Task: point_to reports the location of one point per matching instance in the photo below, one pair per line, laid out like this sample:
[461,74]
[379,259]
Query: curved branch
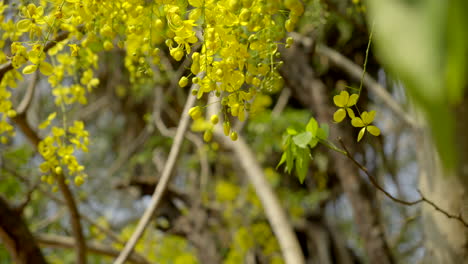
[163,182]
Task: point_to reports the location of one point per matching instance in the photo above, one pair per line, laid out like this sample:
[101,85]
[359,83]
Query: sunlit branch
[163,182]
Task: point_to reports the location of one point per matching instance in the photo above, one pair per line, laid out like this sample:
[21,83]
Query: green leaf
[302,164]
[290,157]
[373,130]
[312,127]
[291,131]
[339,115]
[283,159]
[361,134]
[302,139]
[313,142]
[322,132]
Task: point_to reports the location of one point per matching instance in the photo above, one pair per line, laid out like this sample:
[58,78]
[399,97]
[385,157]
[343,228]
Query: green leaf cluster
[298,145]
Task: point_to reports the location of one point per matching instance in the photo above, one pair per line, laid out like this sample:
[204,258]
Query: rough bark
[312,93]
[16,236]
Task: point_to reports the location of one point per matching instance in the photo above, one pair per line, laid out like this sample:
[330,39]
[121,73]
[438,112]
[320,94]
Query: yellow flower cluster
[232,46]
[58,150]
[239,52]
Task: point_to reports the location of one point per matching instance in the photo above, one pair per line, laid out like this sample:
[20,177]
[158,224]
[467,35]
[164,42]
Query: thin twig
[20,208]
[163,182]
[56,241]
[408,203]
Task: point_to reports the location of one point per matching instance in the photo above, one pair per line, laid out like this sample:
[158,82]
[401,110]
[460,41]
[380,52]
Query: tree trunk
[446,240]
[16,236]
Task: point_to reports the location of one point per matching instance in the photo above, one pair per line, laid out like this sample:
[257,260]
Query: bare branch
[56,241]
[163,182]
[408,203]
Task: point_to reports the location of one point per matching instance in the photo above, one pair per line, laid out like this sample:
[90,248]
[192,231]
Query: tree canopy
[233,131]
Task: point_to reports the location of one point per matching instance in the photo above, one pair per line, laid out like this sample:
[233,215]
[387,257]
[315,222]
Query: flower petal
[350,113]
[339,115]
[361,134]
[373,130]
[357,122]
[353,100]
[342,99]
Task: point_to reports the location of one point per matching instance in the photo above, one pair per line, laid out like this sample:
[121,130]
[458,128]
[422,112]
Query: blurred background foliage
[210,204]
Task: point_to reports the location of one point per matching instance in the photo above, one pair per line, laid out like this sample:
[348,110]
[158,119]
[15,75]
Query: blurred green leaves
[425,44]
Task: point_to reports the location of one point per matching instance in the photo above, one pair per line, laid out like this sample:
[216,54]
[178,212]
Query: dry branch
[163,182]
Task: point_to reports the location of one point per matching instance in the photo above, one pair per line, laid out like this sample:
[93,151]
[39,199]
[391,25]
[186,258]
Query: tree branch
[104,230]
[393,198]
[16,236]
[163,182]
[74,220]
[274,212]
[56,241]
[24,105]
[65,190]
